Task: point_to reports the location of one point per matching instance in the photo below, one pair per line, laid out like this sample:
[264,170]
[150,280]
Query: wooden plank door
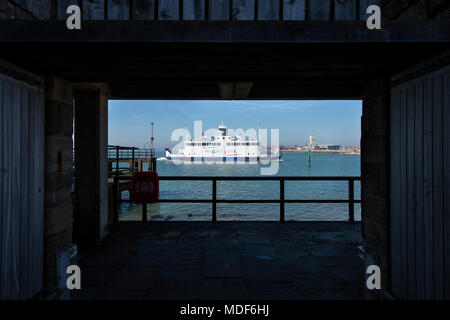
[21,187]
[420,183]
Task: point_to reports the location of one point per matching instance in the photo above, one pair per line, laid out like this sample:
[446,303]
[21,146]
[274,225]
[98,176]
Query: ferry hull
[223,159]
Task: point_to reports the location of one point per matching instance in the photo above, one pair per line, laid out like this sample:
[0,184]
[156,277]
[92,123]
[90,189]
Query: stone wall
[58,208]
[26,9]
[392,9]
[375,175]
[416,9]
[91,218]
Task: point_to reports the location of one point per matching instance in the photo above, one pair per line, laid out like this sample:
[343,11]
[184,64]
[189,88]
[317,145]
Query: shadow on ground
[229,260]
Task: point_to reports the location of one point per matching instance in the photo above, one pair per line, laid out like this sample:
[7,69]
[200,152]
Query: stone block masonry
[26,9]
[58,207]
[47,9]
[375,143]
[416,9]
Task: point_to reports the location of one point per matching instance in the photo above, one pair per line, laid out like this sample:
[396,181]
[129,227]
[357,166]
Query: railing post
[132,160]
[351,201]
[214,198]
[117,161]
[116,200]
[144,212]
[282,200]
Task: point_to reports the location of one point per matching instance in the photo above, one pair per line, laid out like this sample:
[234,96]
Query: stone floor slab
[229,260]
[106,259]
[257,253]
[226,263]
[145,260]
[184,257]
[174,289]
[263,290]
[266,271]
[122,295]
[97,276]
[255,238]
[133,279]
[176,271]
[223,289]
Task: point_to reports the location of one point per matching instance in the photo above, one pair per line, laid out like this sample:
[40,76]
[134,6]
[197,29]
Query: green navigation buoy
[309,158]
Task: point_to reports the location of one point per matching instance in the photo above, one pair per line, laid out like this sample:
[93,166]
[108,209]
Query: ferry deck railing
[281,200]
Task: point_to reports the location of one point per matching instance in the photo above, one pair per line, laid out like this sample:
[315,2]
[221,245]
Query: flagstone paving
[229,260]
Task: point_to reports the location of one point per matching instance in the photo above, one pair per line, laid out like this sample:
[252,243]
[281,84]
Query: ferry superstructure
[222,148]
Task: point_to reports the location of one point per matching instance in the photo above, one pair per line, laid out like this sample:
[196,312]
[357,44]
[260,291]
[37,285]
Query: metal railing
[120,153]
[128,153]
[282,201]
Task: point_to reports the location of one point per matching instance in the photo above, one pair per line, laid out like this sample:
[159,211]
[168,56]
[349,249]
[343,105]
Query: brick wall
[58,209]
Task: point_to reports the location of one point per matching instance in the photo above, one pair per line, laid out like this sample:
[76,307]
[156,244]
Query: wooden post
[351,201]
[144,212]
[117,161]
[116,200]
[214,198]
[282,200]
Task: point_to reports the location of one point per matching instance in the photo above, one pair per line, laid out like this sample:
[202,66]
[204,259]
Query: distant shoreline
[322,151]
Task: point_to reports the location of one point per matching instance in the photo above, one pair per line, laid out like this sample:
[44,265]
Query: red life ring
[145,187]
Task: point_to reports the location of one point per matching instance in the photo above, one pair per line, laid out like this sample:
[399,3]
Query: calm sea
[293,164]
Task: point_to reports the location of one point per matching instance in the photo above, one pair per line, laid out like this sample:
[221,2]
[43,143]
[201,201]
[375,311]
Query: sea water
[292,164]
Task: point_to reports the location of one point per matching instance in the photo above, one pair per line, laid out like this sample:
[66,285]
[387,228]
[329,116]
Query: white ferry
[222,148]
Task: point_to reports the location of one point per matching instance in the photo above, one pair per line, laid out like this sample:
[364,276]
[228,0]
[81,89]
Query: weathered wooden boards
[219,9]
[396,183]
[420,187]
[446,177]
[194,10]
[345,9]
[268,10]
[364,4]
[168,9]
[118,10]
[319,9]
[21,188]
[243,10]
[143,10]
[294,9]
[93,9]
[62,6]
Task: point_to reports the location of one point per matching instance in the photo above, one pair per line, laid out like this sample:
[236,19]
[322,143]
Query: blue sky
[333,122]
